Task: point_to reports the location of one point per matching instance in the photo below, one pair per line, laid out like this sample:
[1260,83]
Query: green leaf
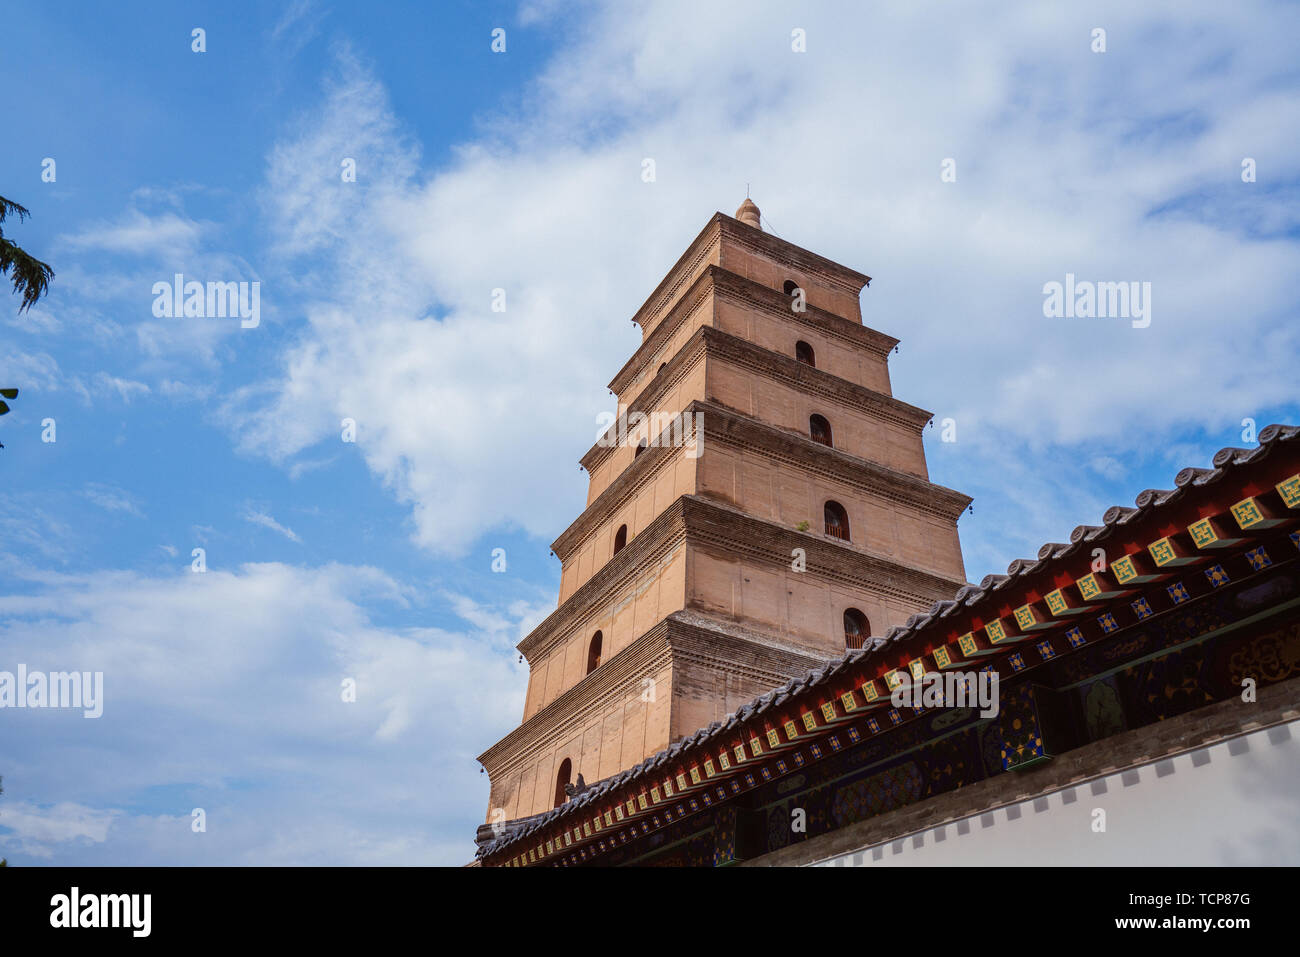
[9,393]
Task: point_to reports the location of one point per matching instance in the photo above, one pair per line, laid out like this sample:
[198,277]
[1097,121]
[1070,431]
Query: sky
[349,464]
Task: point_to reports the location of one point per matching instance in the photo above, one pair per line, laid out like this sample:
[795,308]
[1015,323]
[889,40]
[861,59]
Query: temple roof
[970,598]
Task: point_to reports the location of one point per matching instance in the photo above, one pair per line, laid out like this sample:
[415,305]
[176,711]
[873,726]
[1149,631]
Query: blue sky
[522,171]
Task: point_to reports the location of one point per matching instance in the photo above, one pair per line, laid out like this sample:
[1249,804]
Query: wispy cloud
[137,233]
[104,385]
[299,25]
[263,518]
[39,831]
[111,499]
[1107,465]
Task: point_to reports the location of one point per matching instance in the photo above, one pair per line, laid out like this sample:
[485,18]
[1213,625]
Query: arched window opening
[819,429]
[790,286]
[593,652]
[620,539]
[856,628]
[662,367]
[837,520]
[804,353]
[641,447]
[561,780]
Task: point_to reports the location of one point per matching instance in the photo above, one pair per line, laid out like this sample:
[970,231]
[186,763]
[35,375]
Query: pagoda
[760,505]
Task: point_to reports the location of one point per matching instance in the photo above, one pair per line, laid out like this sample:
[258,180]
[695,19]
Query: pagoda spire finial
[749,214]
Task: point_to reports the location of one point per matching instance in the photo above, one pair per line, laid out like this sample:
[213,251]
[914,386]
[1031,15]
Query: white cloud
[263,518]
[174,389]
[141,234]
[111,499]
[105,304]
[37,830]
[38,372]
[29,526]
[1107,466]
[102,385]
[223,691]
[474,418]
[34,371]
[297,27]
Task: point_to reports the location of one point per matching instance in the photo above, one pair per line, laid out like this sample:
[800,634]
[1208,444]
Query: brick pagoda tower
[763,505]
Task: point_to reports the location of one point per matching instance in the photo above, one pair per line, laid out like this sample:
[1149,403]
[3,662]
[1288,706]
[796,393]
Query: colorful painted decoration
[1162,550]
[1289,489]
[1247,513]
[1124,570]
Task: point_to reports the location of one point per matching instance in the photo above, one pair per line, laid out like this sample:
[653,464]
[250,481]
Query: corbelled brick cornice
[727,427]
[783,251]
[736,288]
[656,543]
[712,343]
[702,522]
[718,644]
[575,707]
[704,246]
[723,228]
[687,357]
[643,470]
[737,533]
[682,636]
[812,381]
